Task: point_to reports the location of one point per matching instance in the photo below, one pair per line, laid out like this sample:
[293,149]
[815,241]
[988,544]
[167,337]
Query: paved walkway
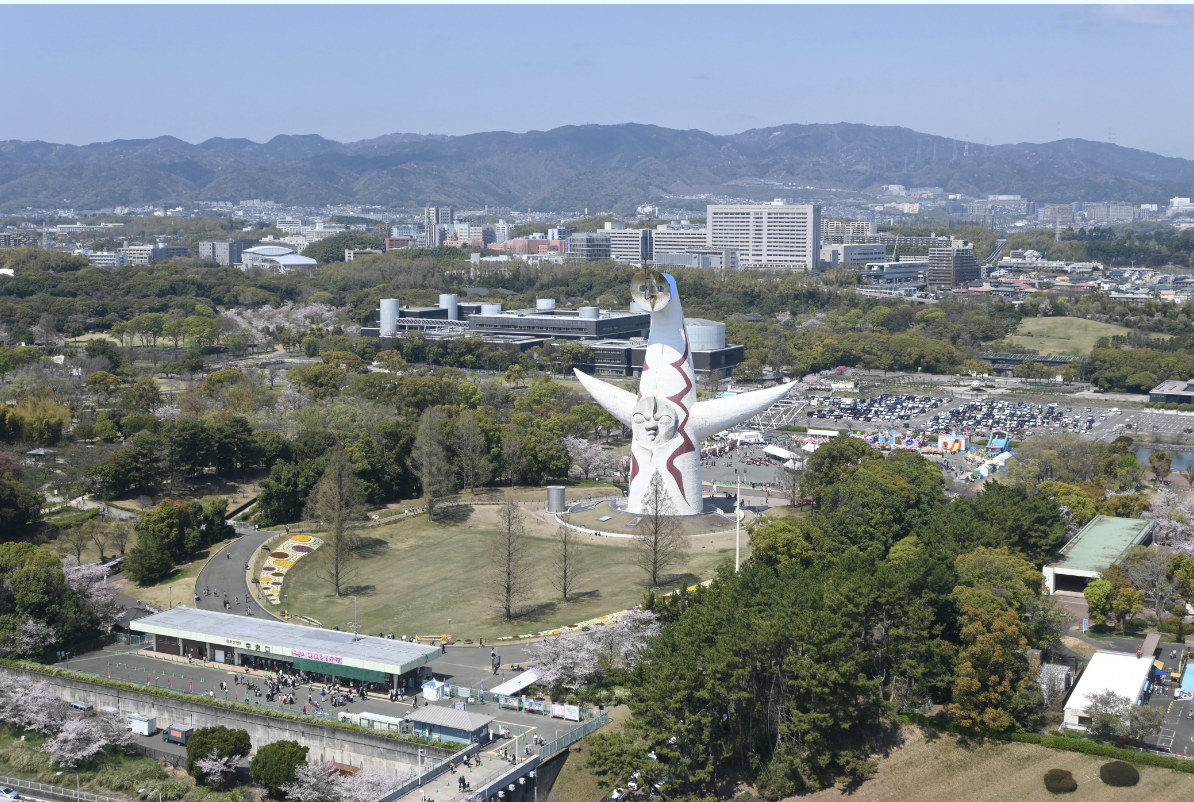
[225,572]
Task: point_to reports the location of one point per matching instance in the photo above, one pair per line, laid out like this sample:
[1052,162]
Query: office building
[678,237]
[404,232]
[350,254]
[559,232]
[851,255]
[588,247]
[435,221]
[399,243]
[289,225]
[952,266]
[501,231]
[634,245]
[225,251]
[151,254]
[775,237]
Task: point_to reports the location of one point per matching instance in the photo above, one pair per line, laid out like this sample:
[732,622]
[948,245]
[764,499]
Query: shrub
[274,764]
[221,740]
[1060,781]
[1119,774]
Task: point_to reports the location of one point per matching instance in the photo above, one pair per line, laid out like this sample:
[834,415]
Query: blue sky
[991,73]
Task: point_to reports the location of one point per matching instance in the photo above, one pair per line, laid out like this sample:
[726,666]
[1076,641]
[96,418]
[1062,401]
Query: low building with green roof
[1101,543]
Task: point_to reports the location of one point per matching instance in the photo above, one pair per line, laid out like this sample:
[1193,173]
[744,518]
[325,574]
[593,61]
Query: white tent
[749,437]
[433,691]
[778,453]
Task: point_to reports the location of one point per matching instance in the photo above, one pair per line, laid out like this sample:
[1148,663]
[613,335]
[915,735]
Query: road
[225,572]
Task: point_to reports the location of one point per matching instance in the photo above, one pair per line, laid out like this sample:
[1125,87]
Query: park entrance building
[270,644]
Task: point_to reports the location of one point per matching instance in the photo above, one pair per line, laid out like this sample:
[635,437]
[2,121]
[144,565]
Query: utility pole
[738,527]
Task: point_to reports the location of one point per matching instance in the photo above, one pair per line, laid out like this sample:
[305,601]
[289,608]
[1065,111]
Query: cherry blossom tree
[566,662]
[91,583]
[321,782]
[291,399]
[588,458]
[79,740]
[28,639]
[35,708]
[217,770]
[1174,518]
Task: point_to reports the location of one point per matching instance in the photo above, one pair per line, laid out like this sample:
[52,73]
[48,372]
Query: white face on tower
[655,421]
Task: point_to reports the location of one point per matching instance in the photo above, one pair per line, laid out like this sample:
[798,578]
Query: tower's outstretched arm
[719,414]
[616,401]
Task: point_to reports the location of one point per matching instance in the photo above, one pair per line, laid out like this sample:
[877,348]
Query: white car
[8,793]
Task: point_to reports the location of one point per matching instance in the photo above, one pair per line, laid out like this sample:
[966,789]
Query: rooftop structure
[1096,547]
[1121,672]
[1174,391]
[449,724]
[238,640]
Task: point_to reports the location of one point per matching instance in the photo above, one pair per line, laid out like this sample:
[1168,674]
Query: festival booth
[953,443]
[781,454]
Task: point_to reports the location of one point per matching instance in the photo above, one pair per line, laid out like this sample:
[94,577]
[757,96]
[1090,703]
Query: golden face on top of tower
[650,289]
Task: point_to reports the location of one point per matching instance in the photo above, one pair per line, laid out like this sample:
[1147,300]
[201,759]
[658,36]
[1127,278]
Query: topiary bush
[1060,781]
[1119,774]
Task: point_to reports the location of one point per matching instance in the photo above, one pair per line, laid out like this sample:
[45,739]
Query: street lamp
[60,773]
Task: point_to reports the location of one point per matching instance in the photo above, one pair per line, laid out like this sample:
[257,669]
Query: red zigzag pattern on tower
[676,399]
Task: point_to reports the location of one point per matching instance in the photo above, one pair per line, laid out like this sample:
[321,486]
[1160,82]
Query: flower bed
[281,560]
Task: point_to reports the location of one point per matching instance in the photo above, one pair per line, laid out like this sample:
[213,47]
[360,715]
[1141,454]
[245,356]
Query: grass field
[940,767]
[415,575]
[1063,336]
[937,767]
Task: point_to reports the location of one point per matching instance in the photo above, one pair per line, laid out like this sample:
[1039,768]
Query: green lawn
[1063,336]
[415,575]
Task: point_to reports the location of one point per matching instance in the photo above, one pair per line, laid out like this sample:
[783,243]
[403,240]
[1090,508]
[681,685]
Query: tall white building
[290,225]
[436,218]
[629,244]
[679,237]
[773,237]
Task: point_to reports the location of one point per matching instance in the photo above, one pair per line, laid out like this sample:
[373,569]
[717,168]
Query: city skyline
[1027,75]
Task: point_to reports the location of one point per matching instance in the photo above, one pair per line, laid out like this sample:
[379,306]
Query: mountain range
[573,167]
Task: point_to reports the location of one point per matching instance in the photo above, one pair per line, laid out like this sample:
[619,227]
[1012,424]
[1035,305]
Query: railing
[55,790]
[574,735]
[438,768]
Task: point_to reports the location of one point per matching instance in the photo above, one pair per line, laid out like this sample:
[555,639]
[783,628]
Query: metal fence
[426,776]
[573,735]
[55,790]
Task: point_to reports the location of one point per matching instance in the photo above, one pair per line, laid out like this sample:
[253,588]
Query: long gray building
[225,251]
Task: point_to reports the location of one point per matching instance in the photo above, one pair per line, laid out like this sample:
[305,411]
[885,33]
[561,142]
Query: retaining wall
[375,752]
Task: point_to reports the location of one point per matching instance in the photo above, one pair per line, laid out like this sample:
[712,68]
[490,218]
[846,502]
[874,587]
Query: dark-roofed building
[1175,391]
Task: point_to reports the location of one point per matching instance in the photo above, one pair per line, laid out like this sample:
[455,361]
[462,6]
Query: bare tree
[100,535]
[509,564]
[1150,569]
[568,563]
[789,482]
[513,460]
[472,452]
[74,541]
[429,459]
[119,533]
[661,544]
[336,500]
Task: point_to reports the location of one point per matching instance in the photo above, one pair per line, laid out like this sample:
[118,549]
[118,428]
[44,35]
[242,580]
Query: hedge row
[1080,745]
[210,701]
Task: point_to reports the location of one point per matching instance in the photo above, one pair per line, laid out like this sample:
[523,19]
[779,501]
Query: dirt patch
[1078,646]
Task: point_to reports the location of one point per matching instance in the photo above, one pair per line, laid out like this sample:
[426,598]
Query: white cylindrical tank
[555,498]
[590,312]
[545,303]
[389,316]
[450,302]
[705,335]
[491,309]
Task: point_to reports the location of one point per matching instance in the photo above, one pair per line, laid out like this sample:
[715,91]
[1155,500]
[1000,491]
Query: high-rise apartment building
[952,266]
[434,217]
[774,237]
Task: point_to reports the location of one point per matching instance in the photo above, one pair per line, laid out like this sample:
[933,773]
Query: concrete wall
[325,743]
